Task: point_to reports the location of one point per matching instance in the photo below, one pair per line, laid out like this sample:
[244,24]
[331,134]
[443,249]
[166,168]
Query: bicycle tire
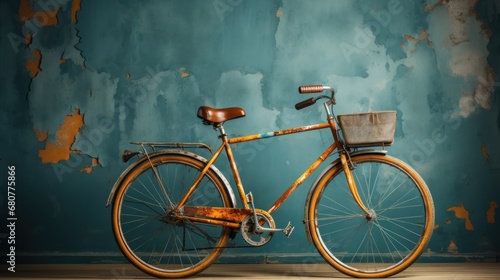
[381,246]
[145,232]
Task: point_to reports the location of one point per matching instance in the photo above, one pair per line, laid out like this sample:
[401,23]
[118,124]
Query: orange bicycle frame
[230,217]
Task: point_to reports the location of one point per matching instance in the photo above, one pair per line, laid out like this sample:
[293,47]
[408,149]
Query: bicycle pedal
[288,229]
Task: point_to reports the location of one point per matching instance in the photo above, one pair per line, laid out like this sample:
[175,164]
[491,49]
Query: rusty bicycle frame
[232,217]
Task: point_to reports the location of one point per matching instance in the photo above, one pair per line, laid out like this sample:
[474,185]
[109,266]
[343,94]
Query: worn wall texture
[80,79]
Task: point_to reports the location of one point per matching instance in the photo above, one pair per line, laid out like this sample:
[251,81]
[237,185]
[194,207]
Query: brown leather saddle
[211,115]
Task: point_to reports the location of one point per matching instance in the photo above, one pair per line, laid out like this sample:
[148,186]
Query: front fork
[347,164]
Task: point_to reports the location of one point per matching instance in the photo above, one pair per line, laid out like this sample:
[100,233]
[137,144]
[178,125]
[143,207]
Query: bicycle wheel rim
[148,237]
[389,242]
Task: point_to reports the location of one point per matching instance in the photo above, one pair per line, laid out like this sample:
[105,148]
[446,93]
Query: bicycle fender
[124,174]
[330,166]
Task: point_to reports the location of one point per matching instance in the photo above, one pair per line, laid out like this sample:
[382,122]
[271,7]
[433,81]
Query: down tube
[302,178]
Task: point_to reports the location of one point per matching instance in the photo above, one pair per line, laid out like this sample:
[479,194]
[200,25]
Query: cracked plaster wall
[82,79]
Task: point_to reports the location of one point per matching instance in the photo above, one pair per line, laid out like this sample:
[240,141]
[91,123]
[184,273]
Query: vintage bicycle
[367,213]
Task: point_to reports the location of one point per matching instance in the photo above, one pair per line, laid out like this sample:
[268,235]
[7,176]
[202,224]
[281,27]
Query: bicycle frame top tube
[227,142]
[258,136]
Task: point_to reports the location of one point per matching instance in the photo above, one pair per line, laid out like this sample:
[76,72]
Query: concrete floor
[250,271]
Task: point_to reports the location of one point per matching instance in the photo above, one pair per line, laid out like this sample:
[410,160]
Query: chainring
[248,228]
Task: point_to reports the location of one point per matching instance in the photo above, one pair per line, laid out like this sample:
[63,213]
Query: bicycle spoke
[143,217]
[383,243]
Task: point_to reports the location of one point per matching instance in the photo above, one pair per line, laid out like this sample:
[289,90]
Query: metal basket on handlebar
[368,129]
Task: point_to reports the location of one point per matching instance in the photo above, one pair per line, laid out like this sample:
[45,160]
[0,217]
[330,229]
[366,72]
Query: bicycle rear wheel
[146,229]
[387,243]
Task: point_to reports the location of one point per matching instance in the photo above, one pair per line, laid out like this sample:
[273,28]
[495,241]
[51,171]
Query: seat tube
[199,178]
[234,170]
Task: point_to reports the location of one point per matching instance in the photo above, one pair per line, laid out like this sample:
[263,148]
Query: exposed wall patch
[41,135]
[44,17]
[279,12]
[33,65]
[184,73]
[484,152]
[452,247]
[28,39]
[75,7]
[467,43]
[89,169]
[462,213]
[422,36]
[490,214]
[65,137]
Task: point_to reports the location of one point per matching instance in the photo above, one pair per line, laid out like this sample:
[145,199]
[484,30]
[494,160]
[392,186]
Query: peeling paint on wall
[75,8]
[28,39]
[41,135]
[484,152]
[60,149]
[467,44]
[462,213]
[422,36]
[89,169]
[33,65]
[47,18]
[452,247]
[279,12]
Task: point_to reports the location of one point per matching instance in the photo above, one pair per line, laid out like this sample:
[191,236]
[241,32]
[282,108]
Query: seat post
[219,127]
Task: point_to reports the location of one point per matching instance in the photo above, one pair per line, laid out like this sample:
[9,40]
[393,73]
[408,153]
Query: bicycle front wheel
[146,228]
[396,233]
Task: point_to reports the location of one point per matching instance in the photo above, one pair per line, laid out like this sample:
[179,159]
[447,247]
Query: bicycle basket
[368,129]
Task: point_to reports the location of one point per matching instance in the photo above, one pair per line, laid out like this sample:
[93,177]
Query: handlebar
[313,89]
[305,103]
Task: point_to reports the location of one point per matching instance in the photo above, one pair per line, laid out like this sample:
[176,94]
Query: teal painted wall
[138,70]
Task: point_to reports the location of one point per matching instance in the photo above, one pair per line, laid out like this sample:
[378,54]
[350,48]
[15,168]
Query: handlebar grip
[305,103]
[311,89]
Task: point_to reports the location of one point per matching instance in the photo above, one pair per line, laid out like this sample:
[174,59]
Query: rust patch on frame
[230,217]
[218,213]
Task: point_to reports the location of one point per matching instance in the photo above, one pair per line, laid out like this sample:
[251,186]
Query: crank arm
[287,230]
